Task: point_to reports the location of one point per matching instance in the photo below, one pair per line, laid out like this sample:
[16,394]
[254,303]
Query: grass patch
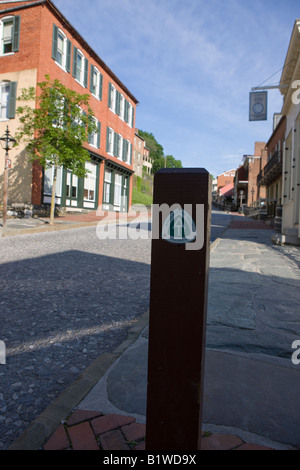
[139,197]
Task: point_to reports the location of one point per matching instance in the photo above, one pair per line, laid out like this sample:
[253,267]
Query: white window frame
[110,150]
[130,111]
[90,182]
[4,105]
[80,79]
[63,65]
[122,107]
[2,23]
[49,174]
[128,153]
[96,73]
[112,106]
[118,190]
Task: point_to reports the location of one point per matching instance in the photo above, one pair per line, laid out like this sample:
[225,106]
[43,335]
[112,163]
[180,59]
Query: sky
[191,64]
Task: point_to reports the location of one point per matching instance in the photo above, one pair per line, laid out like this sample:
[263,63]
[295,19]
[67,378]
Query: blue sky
[191,65]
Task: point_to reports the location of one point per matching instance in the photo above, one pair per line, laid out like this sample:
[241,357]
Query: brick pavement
[246,224]
[91,430]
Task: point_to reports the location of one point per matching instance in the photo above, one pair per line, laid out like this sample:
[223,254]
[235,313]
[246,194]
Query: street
[66,298]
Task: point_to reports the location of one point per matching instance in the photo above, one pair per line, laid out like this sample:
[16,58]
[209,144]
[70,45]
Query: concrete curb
[40,430]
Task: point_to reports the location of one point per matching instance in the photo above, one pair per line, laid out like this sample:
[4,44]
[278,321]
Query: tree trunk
[52,208]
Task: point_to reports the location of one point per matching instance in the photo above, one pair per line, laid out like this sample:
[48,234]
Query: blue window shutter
[68,61]
[125,143]
[16,33]
[99,134]
[126,115]
[107,139]
[130,153]
[118,98]
[86,72]
[74,61]
[12,100]
[109,94]
[132,120]
[92,88]
[54,42]
[116,140]
[100,86]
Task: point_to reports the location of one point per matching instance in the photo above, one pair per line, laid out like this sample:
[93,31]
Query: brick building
[224,179]
[35,40]
[270,177]
[246,190]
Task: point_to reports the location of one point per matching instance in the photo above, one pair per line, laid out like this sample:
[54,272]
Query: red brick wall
[224,180]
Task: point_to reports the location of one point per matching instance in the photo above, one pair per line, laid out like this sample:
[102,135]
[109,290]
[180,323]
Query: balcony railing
[260,177]
[275,160]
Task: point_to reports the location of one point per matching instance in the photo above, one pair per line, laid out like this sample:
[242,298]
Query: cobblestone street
[66,298]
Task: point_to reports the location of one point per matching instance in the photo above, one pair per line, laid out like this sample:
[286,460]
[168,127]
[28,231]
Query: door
[71,190]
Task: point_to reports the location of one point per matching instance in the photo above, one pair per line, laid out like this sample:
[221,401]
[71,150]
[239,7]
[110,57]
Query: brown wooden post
[178,304]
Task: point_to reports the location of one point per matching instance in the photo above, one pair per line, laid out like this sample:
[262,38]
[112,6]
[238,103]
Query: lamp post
[241,197]
[7,142]
[252,192]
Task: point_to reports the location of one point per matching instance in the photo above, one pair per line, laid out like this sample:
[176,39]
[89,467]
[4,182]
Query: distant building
[246,190]
[270,177]
[225,178]
[142,160]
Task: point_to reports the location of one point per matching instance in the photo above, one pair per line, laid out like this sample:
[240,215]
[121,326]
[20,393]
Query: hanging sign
[258,106]
[8,163]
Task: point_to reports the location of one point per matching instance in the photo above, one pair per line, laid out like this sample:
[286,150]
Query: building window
[80,67]
[118,190]
[96,82]
[48,184]
[4,101]
[111,97]
[109,140]
[90,182]
[10,34]
[107,186]
[61,49]
[94,139]
[125,194]
[8,92]
[72,186]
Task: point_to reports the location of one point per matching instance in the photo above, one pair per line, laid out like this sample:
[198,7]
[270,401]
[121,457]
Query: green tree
[56,128]
[172,162]
[157,153]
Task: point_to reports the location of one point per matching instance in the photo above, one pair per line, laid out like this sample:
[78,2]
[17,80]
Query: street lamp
[241,196]
[7,143]
[252,192]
